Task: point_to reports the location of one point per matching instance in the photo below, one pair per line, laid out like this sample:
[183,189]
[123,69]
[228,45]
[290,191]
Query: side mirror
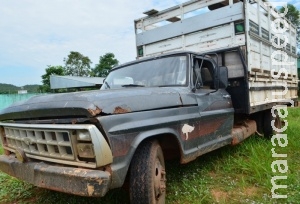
[223,77]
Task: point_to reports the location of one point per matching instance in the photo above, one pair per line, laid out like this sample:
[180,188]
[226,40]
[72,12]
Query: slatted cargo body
[210,26]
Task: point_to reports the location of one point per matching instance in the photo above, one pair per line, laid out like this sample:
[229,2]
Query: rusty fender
[77,181]
[241,132]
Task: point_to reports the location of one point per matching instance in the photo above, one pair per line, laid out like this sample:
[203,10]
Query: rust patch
[119,110]
[90,189]
[99,181]
[241,132]
[95,112]
[121,144]
[235,141]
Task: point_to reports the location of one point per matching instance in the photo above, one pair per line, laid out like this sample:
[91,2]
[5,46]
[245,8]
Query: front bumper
[78,181]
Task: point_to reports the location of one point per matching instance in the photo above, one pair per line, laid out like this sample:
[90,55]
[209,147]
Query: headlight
[85,150]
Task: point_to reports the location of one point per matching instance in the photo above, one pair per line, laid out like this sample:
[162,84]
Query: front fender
[125,133]
[121,165]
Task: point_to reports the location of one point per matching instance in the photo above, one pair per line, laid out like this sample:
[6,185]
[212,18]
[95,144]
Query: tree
[293,15]
[106,63]
[77,64]
[51,70]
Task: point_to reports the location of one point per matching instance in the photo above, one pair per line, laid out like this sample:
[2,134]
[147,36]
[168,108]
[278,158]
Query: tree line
[76,64]
[12,89]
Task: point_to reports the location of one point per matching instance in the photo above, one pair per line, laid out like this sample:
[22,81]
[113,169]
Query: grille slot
[50,143]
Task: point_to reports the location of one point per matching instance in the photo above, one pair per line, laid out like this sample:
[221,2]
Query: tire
[259,119]
[268,129]
[147,183]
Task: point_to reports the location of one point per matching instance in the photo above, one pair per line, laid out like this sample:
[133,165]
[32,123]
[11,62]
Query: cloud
[35,34]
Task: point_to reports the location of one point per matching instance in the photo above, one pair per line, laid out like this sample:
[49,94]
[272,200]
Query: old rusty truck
[207,74]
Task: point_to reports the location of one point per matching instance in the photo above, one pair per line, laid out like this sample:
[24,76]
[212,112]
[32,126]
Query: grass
[239,174]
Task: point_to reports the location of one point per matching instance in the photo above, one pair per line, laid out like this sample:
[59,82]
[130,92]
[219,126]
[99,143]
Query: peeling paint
[186,129]
[241,132]
[90,189]
[95,112]
[99,181]
[119,110]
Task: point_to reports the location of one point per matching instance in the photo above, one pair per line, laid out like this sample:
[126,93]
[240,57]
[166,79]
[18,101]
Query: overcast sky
[37,33]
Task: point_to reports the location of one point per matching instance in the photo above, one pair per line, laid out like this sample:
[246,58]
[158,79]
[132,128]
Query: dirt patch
[219,195]
[212,174]
[250,191]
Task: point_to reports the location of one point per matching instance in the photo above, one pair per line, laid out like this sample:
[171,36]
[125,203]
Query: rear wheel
[147,174]
[267,127]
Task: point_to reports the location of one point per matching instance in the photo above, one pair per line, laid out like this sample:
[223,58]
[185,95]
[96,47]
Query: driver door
[215,109]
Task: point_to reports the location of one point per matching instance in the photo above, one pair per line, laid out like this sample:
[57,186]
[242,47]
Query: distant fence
[8,99]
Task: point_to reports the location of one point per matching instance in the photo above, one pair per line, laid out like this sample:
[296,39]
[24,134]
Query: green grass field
[239,174]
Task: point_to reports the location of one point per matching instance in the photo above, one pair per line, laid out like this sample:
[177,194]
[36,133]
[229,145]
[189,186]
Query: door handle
[226,96]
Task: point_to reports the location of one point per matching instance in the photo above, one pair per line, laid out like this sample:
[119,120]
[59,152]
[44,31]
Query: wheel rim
[159,180]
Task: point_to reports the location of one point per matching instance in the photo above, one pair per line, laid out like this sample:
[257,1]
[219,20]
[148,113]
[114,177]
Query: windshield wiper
[170,85]
[132,85]
[107,85]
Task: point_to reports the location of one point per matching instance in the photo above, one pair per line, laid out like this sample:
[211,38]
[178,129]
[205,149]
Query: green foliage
[292,14]
[77,64]
[8,89]
[11,186]
[1,149]
[106,63]
[31,88]
[50,70]
[12,89]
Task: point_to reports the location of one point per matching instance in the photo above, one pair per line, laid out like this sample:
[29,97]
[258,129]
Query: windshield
[169,71]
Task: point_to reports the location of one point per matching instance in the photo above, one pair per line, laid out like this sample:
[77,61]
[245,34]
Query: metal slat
[212,19]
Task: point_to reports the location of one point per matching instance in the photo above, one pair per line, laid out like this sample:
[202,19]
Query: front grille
[48,143]
[56,143]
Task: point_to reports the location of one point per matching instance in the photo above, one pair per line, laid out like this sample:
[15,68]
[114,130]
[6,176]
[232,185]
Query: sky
[34,34]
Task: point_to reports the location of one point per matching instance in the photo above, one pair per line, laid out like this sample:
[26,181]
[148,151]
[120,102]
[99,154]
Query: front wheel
[147,174]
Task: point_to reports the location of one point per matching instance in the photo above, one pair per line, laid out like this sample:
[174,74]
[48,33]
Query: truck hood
[92,103]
